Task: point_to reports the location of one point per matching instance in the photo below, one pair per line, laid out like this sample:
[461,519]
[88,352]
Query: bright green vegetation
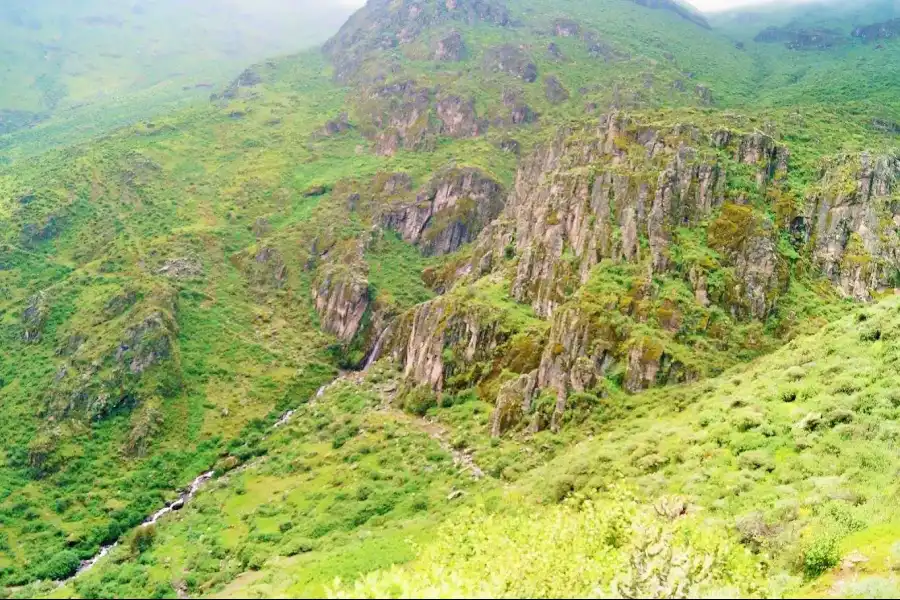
[75,71]
[345,482]
[741,455]
[169,290]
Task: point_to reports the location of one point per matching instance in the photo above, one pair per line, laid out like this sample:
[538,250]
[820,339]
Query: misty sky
[716,5]
[704,5]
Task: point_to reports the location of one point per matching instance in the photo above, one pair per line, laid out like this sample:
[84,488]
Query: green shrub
[295,546]
[820,555]
[142,539]
[60,566]
[419,400]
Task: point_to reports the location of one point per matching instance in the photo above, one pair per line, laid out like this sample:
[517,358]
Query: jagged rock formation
[341,290]
[450,48]
[385,24]
[560,207]
[452,341]
[878,31]
[449,212]
[615,194]
[511,60]
[127,360]
[852,220]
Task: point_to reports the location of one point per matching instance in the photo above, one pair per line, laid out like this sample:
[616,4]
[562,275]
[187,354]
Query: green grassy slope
[157,316]
[73,71]
[732,469]
[790,459]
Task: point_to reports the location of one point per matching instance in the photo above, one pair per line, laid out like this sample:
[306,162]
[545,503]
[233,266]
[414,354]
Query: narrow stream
[175,505]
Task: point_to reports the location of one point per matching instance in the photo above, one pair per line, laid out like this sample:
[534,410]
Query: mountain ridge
[530,223]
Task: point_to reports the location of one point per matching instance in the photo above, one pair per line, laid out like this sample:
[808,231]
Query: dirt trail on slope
[462,458]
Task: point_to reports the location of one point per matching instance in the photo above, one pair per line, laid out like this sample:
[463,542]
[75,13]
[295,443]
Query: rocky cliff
[449,212]
[341,289]
[631,244]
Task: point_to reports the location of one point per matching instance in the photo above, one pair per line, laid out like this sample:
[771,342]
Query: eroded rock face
[34,318]
[514,403]
[855,219]
[402,118]
[130,357]
[450,48]
[511,60]
[577,355]
[554,90]
[449,212]
[386,24]
[445,337]
[458,118]
[341,291]
[601,210]
[749,243]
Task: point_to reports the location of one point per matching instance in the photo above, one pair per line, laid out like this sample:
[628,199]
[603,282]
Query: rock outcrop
[554,90]
[513,61]
[443,341]
[801,39]
[449,212]
[566,28]
[386,24]
[450,48]
[341,290]
[34,317]
[119,362]
[878,31]
[853,220]
[519,112]
[405,116]
[401,116]
[458,118]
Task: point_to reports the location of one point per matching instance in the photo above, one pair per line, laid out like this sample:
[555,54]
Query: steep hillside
[530,222]
[76,70]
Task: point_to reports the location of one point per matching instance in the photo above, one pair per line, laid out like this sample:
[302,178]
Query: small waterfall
[284,419]
[376,351]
